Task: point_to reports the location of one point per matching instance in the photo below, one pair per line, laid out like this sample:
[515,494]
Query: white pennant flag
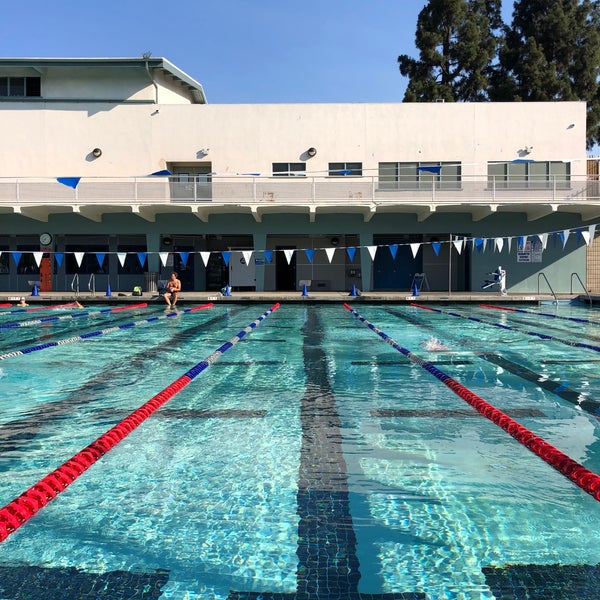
[205,256]
[544,239]
[78,257]
[458,244]
[163,258]
[330,252]
[122,256]
[372,250]
[591,233]
[566,234]
[484,244]
[288,254]
[415,248]
[499,244]
[509,244]
[38,257]
[247,254]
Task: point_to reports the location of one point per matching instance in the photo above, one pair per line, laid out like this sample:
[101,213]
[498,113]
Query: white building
[130,173]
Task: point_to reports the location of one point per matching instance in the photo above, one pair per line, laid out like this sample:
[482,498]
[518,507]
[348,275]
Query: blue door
[391,273]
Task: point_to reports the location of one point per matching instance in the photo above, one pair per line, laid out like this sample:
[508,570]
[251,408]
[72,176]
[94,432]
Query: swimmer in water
[433,345]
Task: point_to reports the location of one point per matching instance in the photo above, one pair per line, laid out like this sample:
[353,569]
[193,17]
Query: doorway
[285,274]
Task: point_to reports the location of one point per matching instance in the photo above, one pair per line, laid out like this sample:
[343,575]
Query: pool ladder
[576,275]
[542,274]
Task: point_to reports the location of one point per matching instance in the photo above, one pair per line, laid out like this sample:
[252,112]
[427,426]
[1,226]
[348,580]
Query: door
[391,273]
[285,274]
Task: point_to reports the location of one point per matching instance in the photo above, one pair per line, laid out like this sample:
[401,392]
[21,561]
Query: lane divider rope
[581,476]
[83,313]
[27,310]
[23,507]
[92,334]
[541,314]
[543,336]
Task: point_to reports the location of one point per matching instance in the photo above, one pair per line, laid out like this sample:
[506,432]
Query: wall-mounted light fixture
[97,152]
[528,149]
[311,152]
[204,151]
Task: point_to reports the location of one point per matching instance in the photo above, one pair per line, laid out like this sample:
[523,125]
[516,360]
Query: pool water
[311,460]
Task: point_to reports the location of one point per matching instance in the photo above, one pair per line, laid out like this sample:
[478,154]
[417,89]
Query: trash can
[151,281]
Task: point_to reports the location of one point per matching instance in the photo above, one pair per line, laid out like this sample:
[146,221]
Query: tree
[458,42]
[552,52]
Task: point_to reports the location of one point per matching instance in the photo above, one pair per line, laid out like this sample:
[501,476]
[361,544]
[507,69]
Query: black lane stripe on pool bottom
[451,414]
[192,413]
[328,567]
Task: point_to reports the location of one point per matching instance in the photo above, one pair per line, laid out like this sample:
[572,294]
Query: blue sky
[241,51]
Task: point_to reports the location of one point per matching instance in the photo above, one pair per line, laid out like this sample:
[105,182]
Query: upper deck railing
[293,190]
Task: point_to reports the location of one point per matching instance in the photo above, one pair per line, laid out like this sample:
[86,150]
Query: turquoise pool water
[310,461]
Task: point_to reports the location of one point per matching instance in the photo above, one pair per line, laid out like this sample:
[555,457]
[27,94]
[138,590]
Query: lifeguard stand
[420,279]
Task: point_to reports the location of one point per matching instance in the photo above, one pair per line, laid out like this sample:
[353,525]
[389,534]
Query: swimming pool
[311,460]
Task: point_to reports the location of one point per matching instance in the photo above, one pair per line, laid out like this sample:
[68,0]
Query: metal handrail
[542,274]
[92,284]
[75,284]
[583,286]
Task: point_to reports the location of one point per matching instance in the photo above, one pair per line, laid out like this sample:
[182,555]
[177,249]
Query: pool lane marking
[328,567]
[83,313]
[542,336]
[33,309]
[99,332]
[581,476]
[579,399]
[23,507]
[541,314]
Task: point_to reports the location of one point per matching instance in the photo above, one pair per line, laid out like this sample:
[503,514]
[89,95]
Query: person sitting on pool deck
[173,289]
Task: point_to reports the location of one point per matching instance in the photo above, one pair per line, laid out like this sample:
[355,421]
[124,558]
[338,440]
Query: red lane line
[497,307]
[5,305]
[422,306]
[201,307]
[141,305]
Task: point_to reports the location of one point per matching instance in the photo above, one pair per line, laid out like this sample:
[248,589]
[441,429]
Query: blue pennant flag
[351,251]
[226,256]
[436,247]
[17,257]
[69,181]
[554,238]
[430,169]
[184,257]
[100,256]
[58,257]
[142,257]
[309,254]
[393,249]
[521,242]
[163,173]
[479,244]
[268,255]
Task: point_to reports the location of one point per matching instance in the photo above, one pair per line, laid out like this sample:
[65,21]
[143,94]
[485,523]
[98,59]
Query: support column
[366,264]
[259,242]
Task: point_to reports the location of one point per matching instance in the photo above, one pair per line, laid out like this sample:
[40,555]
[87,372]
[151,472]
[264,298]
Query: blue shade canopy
[226,256]
[184,257]
[430,169]
[393,249]
[268,255]
[163,173]
[351,251]
[309,254]
[69,181]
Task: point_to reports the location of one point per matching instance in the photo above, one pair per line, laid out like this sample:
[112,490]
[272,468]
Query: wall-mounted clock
[45,239]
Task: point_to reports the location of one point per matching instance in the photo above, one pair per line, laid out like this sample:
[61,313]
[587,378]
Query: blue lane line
[550,315]
[30,322]
[84,336]
[542,336]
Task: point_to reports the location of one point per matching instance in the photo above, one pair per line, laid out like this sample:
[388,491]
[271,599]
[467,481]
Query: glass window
[4,257]
[89,262]
[420,175]
[131,265]
[289,170]
[20,87]
[345,169]
[524,174]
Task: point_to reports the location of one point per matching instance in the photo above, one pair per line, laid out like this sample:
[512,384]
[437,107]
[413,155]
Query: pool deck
[187,298]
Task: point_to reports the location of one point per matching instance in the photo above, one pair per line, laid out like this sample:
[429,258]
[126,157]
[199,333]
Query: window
[89,262]
[131,265]
[532,175]
[27,264]
[289,169]
[20,87]
[4,264]
[420,175]
[345,169]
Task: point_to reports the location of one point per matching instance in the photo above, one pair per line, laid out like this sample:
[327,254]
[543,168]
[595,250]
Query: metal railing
[92,285]
[310,189]
[542,275]
[75,284]
[576,275]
